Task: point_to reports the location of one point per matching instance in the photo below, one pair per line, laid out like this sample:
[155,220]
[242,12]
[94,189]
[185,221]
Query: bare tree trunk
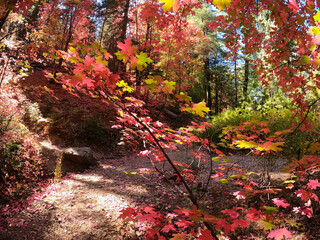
[65,46]
[236,80]
[207,81]
[246,77]
[102,30]
[4,18]
[216,97]
[125,21]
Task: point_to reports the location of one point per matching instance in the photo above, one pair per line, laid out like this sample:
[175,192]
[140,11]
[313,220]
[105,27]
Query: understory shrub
[79,126]
[295,145]
[21,163]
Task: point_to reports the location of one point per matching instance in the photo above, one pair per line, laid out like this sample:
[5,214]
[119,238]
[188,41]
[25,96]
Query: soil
[87,205]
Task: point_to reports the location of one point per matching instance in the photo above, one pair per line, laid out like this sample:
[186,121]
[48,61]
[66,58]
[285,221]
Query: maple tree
[156,55]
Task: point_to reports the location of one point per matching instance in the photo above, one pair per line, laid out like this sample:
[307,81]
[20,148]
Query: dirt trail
[87,205]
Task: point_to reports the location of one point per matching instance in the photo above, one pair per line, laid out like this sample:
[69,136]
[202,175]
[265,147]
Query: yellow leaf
[169,86]
[266,225]
[183,97]
[221,4]
[121,56]
[143,61]
[317,17]
[313,147]
[168,4]
[270,146]
[200,109]
[151,84]
[305,60]
[125,86]
[100,60]
[246,144]
[315,30]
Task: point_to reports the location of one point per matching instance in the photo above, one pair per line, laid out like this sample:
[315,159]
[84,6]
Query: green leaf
[270,210]
[73,60]
[215,159]
[305,60]
[266,225]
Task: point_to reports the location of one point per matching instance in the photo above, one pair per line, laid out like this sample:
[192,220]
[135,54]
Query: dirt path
[87,205]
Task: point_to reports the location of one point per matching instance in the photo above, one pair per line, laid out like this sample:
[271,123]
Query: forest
[159,119]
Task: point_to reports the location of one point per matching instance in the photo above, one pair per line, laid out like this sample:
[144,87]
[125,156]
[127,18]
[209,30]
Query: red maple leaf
[205,235]
[280,234]
[183,223]
[168,227]
[239,223]
[313,184]
[232,213]
[280,202]
[253,215]
[127,213]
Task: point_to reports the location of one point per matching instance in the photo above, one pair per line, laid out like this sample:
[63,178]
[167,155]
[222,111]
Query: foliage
[156,55]
[278,120]
[21,163]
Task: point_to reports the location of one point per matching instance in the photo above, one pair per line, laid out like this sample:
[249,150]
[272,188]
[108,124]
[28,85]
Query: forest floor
[87,205]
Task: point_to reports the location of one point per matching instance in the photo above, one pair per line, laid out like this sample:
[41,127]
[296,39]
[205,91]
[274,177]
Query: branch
[192,197]
[305,116]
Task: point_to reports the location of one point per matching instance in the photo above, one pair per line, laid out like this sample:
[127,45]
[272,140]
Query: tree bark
[125,21]
[207,81]
[246,77]
[4,18]
[236,81]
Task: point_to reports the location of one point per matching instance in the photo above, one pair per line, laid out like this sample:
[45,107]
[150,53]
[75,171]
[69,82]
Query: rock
[79,158]
[52,153]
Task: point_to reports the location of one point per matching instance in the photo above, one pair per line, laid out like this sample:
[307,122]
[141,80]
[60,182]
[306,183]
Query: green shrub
[278,120]
[79,126]
[296,144]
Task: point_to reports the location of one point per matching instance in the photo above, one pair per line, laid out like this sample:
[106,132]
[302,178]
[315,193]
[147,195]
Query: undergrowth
[296,144]
[22,165]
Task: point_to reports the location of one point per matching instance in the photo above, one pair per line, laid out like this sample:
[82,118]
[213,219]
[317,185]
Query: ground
[87,205]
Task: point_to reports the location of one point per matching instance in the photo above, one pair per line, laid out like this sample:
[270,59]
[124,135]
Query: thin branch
[192,197]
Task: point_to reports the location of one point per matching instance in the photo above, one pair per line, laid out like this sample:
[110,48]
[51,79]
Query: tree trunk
[125,21]
[102,30]
[246,77]
[216,97]
[4,18]
[207,81]
[236,81]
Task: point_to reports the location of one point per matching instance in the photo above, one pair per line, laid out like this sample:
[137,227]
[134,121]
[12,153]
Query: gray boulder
[79,158]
